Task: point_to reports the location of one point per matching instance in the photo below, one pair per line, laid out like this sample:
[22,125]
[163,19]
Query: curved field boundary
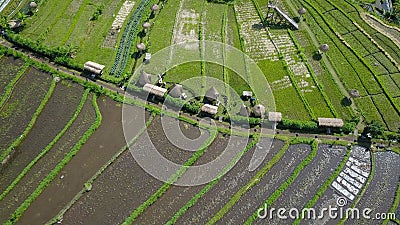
[47,148]
[130,219]
[271,199]
[368,67]
[49,178]
[313,76]
[204,191]
[392,102]
[371,176]
[368,17]
[60,215]
[18,141]
[11,85]
[326,185]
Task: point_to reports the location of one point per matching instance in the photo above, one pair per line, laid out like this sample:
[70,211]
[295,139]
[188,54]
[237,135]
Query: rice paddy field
[65,157]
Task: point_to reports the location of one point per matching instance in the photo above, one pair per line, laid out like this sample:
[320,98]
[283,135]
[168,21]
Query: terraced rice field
[64,157]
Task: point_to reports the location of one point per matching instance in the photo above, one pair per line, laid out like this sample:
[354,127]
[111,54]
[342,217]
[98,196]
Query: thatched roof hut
[247,94]
[146,25]
[33,5]
[144,78]
[330,122]
[210,109]
[259,110]
[155,7]
[14,24]
[244,111]
[324,47]
[212,94]
[302,11]
[176,91]
[354,93]
[155,90]
[275,116]
[141,47]
[93,67]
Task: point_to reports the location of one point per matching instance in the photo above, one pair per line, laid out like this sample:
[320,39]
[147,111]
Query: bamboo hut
[144,79]
[259,110]
[209,109]
[94,67]
[275,116]
[244,111]
[212,94]
[176,91]
[330,122]
[155,90]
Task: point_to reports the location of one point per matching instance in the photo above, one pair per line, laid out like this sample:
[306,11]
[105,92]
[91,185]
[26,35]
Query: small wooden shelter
[212,94]
[94,67]
[144,78]
[259,110]
[275,116]
[244,111]
[155,90]
[210,109]
[330,122]
[14,24]
[176,91]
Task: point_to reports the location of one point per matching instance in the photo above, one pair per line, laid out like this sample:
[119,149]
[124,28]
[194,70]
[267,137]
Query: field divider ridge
[8,151]
[130,219]
[60,214]
[10,86]
[277,193]
[50,177]
[47,148]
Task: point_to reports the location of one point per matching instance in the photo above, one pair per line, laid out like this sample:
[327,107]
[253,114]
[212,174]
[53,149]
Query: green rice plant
[50,177]
[312,74]
[10,86]
[30,125]
[47,148]
[389,114]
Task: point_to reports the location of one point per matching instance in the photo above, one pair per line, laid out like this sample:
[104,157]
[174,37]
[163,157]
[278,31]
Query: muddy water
[53,118]
[177,196]
[100,147]
[9,69]
[307,183]
[277,175]
[18,110]
[227,186]
[382,189]
[40,170]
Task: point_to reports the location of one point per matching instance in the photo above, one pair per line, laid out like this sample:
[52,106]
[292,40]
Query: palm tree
[4,22]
